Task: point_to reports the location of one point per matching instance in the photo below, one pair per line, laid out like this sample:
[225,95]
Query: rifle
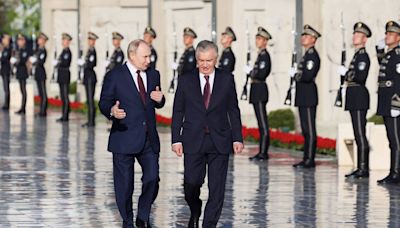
[339,98]
[55,72]
[80,54]
[107,51]
[248,59]
[174,72]
[15,55]
[288,100]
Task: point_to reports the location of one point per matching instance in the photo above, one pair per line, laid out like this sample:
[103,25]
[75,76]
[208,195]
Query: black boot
[305,164]
[20,112]
[394,175]
[362,170]
[259,156]
[142,224]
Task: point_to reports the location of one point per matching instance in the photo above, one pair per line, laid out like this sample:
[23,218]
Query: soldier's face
[206,61]
[188,40]
[261,42]
[91,42]
[148,38]
[41,41]
[6,40]
[141,59]
[226,40]
[21,42]
[65,43]
[307,40]
[359,38]
[116,42]
[392,38]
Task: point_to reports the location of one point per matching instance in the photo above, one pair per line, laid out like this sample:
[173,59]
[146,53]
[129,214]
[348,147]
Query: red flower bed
[278,138]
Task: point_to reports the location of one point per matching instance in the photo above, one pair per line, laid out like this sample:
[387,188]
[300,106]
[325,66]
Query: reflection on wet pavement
[60,175]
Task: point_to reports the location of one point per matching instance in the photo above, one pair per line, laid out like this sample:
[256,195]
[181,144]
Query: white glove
[106,63]
[32,59]
[174,66]
[381,44]
[247,69]
[13,60]
[292,71]
[54,62]
[344,91]
[81,62]
[342,70]
[394,112]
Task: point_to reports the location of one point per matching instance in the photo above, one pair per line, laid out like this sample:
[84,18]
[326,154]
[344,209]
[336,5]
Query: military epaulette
[397,51]
[310,50]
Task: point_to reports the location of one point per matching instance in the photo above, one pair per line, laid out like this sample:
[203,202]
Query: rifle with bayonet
[339,98]
[288,100]
[248,59]
[174,72]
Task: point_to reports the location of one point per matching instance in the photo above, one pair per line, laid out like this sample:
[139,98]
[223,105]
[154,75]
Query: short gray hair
[133,46]
[206,45]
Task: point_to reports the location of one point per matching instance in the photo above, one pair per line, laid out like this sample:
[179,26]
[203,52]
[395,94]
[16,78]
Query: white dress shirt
[132,70]
[203,81]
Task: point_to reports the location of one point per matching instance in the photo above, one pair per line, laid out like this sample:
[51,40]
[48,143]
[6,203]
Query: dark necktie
[206,92]
[141,87]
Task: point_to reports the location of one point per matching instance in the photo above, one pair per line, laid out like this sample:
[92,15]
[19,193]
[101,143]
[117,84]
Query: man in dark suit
[129,96]
[206,126]
[307,95]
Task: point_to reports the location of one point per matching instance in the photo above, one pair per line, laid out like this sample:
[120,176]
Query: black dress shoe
[358,174]
[259,156]
[305,164]
[20,112]
[88,125]
[42,114]
[392,178]
[142,224]
[62,119]
[194,222]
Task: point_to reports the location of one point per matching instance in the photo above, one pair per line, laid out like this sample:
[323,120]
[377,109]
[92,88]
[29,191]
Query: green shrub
[73,87]
[282,119]
[376,119]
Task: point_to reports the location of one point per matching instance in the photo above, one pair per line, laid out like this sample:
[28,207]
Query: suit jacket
[190,117]
[128,135]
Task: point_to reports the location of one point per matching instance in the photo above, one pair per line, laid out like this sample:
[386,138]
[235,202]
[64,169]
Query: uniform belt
[256,81]
[352,84]
[383,84]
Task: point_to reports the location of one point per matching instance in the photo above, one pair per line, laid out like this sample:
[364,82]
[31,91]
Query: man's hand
[178,149]
[342,70]
[156,95]
[381,44]
[238,147]
[116,112]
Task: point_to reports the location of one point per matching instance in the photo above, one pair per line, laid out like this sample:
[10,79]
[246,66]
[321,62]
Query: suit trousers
[307,121]
[90,89]
[41,84]
[359,121]
[195,166]
[6,86]
[392,125]
[123,168]
[64,92]
[22,87]
[263,128]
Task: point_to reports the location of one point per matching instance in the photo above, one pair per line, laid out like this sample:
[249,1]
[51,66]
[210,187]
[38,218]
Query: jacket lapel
[197,89]
[131,83]
[150,86]
[216,90]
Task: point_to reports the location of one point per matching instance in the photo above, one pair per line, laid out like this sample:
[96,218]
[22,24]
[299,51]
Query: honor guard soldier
[227,60]
[307,95]
[22,70]
[38,59]
[357,97]
[117,58]
[148,36]
[187,62]
[5,68]
[259,91]
[64,75]
[89,78]
[389,96]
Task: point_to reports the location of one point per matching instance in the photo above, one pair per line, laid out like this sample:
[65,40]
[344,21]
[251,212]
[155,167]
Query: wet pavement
[60,175]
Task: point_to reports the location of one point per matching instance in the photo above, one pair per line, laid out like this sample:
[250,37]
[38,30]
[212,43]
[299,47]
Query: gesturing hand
[116,112]
[156,95]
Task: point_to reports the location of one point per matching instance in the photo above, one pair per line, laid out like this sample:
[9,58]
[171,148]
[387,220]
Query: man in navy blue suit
[129,96]
[206,126]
